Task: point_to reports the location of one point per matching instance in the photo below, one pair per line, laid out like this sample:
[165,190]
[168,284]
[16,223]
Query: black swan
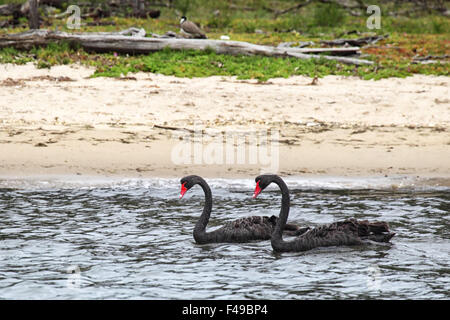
[241,230]
[347,232]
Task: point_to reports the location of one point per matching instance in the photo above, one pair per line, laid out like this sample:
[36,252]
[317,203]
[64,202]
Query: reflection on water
[132,239]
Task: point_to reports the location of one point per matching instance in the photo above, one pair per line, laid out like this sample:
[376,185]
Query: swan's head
[262,182]
[183,19]
[187,183]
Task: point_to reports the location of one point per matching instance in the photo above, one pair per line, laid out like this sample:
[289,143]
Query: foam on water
[391,183]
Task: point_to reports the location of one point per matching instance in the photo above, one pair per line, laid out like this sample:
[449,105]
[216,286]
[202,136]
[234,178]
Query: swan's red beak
[183,190]
[257,190]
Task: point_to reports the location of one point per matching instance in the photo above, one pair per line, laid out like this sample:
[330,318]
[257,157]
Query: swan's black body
[241,230]
[347,232]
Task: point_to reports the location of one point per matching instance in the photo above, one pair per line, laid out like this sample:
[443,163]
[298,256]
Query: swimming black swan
[241,230]
[347,232]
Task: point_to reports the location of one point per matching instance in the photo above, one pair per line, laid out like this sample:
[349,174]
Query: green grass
[186,63]
[11,1]
[192,63]
[328,15]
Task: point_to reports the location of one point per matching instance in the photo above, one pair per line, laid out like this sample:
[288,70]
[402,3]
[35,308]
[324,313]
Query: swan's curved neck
[284,212]
[200,226]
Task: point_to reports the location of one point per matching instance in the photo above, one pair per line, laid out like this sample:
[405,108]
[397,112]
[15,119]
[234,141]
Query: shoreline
[106,127]
[388,183]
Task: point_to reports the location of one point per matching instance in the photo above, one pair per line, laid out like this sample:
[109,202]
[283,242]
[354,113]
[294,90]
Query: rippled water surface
[132,239]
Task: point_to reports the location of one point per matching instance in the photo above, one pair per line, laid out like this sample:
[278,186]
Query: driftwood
[173,128]
[430,59]
[134,32]
[299,44]
[127,44]
[354,42]
[167,35]
[347,51]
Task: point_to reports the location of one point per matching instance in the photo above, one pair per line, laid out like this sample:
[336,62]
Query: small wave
[392,183]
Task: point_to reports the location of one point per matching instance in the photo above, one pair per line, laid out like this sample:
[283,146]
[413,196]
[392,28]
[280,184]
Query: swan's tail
[376,230]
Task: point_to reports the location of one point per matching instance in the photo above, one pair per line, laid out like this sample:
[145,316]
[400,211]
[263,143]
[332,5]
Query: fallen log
[299,44]
[136,44]
[429,59]
[134,32]
[347,51]
[173,128]
[354,42]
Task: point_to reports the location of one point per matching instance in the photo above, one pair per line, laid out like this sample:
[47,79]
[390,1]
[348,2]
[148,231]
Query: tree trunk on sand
[140,44]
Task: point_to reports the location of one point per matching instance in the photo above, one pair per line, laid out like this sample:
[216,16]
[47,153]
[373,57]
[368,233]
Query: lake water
[76,238]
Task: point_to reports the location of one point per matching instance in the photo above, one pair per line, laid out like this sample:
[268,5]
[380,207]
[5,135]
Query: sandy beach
[59,121]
